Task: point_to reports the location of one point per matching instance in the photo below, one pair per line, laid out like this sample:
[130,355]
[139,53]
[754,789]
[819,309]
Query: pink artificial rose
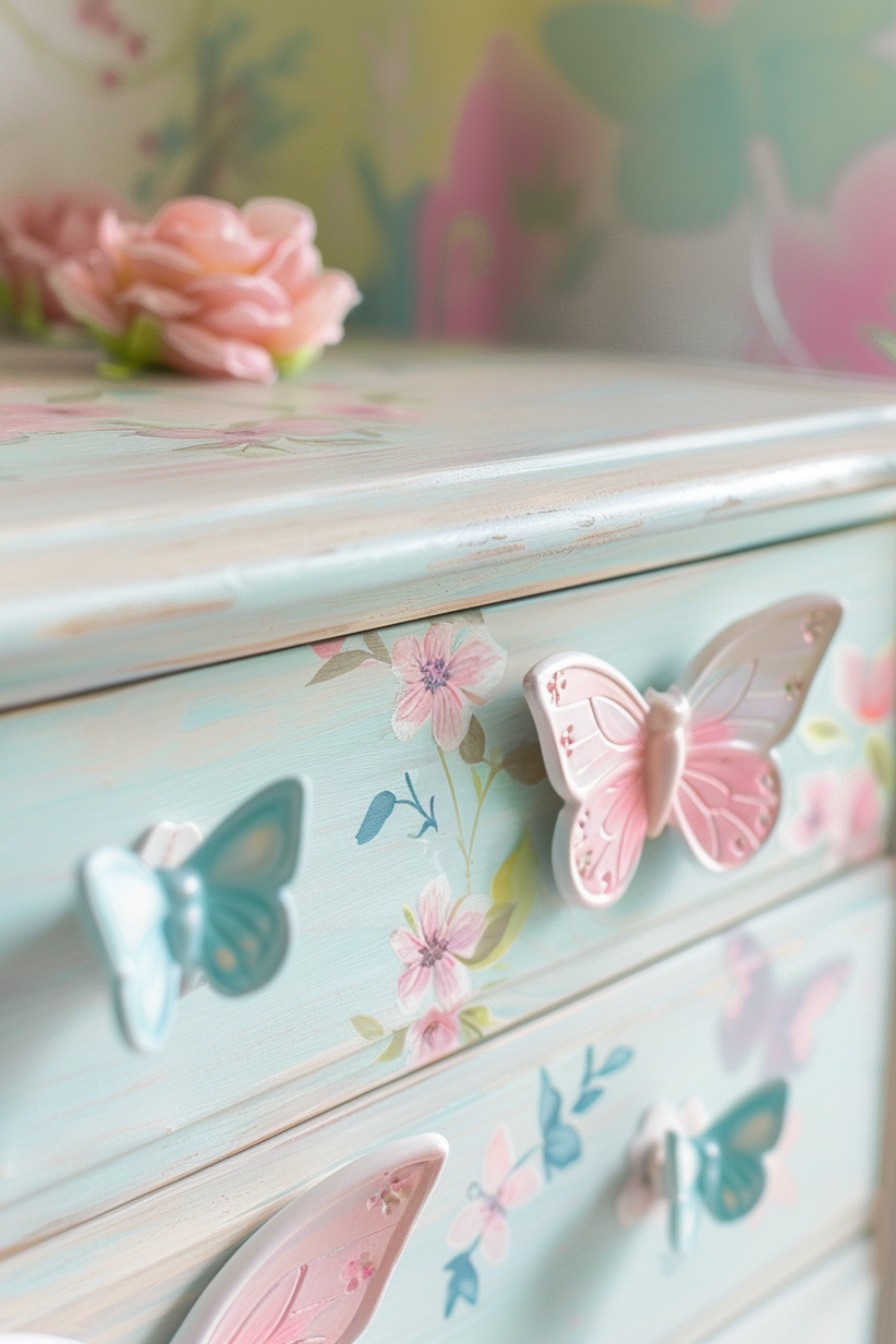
[209,289]
[444,677]
[38,230]
[436,1033]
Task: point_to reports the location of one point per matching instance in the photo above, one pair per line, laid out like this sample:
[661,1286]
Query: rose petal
[77,291]
[190,348]
[277,217]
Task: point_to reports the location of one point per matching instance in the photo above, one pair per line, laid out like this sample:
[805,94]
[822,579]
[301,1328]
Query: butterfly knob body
[665,749]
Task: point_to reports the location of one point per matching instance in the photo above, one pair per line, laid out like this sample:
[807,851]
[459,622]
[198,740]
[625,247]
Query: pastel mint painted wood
[560,1098]
[160,523]
[343,1016]
[835,1303]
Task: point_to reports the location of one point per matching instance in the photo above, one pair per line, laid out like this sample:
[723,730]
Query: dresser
[619,959]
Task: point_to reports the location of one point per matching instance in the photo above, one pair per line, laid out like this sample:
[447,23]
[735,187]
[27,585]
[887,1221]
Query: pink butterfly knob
[700,758]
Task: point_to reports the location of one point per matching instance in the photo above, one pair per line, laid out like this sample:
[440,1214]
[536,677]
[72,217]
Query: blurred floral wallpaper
[691,177]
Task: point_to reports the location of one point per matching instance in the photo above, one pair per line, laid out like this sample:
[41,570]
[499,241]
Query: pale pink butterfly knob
[699,758]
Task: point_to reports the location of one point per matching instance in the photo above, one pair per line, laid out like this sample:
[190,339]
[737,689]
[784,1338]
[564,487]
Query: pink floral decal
[435,1034]
[356,1272]
[866,685]
[506,1184]
[843,811]
[443,932]
[444,676]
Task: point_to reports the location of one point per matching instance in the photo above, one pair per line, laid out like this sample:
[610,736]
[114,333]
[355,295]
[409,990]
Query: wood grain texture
[163,523]
[571,1271]
[84,1124]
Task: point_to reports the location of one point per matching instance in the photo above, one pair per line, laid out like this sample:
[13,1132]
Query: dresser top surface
[178,516]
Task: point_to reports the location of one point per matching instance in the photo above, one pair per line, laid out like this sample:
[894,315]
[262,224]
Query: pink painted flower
[818,810]
[865,686]
[643,1194]
[844,812]
[506,1185]
[434,1035]
[444,676]
[430,951]
[516,209]
[356,1272]
[38,231]
[326,648]
[863,816]
[23,418]
[209,289]
[392,1194]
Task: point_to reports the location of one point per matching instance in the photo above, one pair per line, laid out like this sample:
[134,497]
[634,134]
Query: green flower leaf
[337,666]
[395,1048]
[472,749]
[513,890]
[525,764]
[409,918]
[374,641]
[475,1021]
[823,735]
[879,755]
[368,1027]
[496,921]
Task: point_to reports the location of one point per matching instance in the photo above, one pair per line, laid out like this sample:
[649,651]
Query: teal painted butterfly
[722,1168]
[223,915]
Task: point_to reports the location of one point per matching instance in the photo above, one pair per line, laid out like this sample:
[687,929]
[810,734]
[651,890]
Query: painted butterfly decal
[506,1184]
[316,1271]
[223,915]
[700,758]
[778,1019]
[721,1170]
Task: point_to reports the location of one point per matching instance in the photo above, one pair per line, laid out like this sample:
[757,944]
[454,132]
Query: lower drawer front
[802,993]
[833,1304]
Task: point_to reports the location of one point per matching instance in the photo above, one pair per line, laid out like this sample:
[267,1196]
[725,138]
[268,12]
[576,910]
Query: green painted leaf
[475,1021]
[368,1027]
[477,782]
[374,641]
[525,764]
[822,734]
[472,749]
[395,1048]
[409,918]
[496,921]
[879,755]
[884,340]
[514,886]
[337,666]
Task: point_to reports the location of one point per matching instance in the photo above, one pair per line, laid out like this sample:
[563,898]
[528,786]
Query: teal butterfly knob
[697,1167]
[222,915]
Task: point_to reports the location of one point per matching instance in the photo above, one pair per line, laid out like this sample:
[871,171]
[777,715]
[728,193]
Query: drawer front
[406,821]
[835,1303]
[564,1256]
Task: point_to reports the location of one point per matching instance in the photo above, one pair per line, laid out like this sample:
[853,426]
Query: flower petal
[190,348]
[407,658]
[465,931]
[452,981]
[406,947]
[77,290]
[277,217]
[412,985]
[412,708]
[450,718]
[432,909]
